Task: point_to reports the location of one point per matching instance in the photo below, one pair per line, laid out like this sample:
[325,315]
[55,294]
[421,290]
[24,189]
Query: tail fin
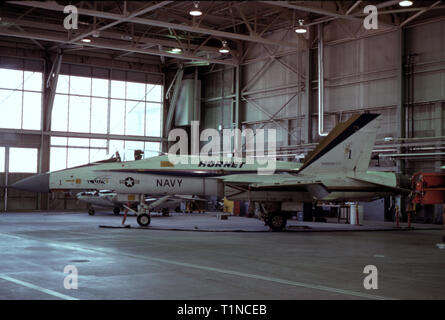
[347,148]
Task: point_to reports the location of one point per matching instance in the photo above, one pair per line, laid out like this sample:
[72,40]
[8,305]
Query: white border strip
[31,286]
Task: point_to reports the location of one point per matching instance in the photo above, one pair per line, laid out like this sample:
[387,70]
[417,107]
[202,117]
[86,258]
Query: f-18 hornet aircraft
[335,171]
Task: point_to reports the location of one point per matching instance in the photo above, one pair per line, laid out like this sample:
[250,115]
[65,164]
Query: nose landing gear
[143,215]
[143,219]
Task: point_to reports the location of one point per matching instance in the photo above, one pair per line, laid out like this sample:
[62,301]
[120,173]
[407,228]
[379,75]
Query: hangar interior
[82,80]
[69,97]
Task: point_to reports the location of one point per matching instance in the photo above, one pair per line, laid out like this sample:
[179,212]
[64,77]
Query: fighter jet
[335,171]
[111,199]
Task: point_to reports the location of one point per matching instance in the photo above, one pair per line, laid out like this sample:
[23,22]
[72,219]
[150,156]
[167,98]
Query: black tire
[277,221]
[91,211]
[177,209]
[308,212]
[165,212]
[116,210]
[143,220]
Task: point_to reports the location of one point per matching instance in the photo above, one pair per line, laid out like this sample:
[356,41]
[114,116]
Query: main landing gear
[277,221]
[273,216]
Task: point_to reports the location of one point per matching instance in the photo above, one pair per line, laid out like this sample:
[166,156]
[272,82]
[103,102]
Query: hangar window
[102,101]
[57,160]
[135,109]
[23,160]
[153,119]
[82,104]
[126,148]
[20,99]
[75,109]
[2,159]
[79,114]
[151,149]
[70,152]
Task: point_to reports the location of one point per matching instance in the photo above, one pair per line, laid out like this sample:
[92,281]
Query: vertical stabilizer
[347,149]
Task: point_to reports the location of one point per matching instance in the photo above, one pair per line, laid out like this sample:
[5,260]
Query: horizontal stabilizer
[317,190]
[384,179]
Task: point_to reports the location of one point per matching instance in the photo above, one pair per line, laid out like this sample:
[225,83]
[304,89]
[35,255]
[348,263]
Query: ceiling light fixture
[300,28]
[405,3]
[224,48]
[95,34]
[86,40]
[176,50]
[195,11]
[126,37]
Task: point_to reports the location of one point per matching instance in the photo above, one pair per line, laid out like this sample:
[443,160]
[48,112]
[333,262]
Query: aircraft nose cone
[36,183]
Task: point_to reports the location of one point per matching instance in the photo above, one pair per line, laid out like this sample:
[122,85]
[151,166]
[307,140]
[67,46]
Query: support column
[439,209]
[236,115]
[196,97]
[167,79]
[401,114]
[6,177]
[306,101]
[51,79]
[173,100]
[235,111]
[51,76]
[438,131]
[401,117]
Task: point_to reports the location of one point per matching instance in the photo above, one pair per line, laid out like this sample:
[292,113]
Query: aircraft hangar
[346,97]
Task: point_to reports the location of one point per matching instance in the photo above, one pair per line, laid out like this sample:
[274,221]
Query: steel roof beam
[109,34]
[356,15]
[125,19]
[113,46]
[414,16]
[150,22]
[320,11]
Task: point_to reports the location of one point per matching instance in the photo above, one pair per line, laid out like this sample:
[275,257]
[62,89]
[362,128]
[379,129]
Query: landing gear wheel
[143,219]
[116,210]
[165,212]
[91,211]
[277,222]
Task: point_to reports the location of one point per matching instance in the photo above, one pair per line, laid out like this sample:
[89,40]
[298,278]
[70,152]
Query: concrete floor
[162,264]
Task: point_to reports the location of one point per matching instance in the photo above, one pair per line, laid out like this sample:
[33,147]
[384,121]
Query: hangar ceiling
[150,30]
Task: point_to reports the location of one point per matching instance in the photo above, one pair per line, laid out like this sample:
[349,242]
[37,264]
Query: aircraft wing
[187,197]
[255,178]
[317,189]
[282,182]
[179,197]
